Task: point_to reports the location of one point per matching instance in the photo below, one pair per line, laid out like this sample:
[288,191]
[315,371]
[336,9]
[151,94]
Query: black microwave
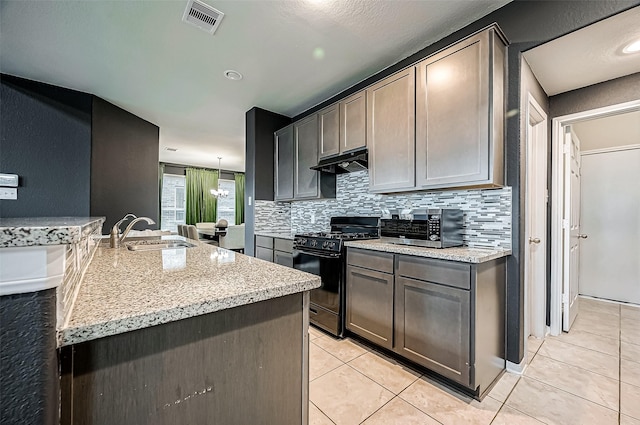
[433,228]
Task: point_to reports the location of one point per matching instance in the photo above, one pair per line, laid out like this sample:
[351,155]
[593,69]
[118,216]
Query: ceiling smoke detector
[202,16]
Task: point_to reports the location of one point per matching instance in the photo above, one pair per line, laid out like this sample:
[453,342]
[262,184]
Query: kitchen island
[196,335]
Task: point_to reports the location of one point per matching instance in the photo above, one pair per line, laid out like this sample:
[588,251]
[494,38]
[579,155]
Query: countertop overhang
[39,231]
[124,290]
[461,253]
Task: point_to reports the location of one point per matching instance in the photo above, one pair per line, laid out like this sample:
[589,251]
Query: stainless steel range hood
[346,163]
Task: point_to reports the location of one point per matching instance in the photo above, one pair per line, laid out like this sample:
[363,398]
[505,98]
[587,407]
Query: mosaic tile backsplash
[487,212]
[274,217]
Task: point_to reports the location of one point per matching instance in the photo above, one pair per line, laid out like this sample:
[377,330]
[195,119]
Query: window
[174,202]
[227,206]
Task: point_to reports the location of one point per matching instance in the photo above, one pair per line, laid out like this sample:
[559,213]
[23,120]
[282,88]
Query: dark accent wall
[260,126]
[28,361]
[124,165]
[612,92]
[45,138]
[526,24]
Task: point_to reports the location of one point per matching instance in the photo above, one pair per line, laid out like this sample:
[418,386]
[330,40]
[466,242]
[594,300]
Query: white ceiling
[608,132]
[588,56]
[141,57]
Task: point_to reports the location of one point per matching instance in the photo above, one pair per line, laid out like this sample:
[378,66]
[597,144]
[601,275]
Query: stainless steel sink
[153,245]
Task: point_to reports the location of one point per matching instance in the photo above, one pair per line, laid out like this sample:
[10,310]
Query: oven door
[329,268]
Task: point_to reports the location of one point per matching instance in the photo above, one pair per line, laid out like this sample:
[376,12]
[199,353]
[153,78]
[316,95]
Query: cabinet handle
[534,240]
[313,311]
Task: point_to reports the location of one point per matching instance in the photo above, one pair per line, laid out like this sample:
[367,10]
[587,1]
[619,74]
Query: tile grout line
[572,394]
[586,348]
[619,365]
[411,404]
[582,368]
[321,411]
[504,403]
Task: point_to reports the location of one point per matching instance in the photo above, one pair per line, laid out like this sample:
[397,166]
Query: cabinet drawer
[264,253]
[374,260]
[264,241]
[448,273]
[283,258]
[285,245]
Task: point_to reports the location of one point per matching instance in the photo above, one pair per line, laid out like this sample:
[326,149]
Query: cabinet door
[453,116]
[432,324]
[305,137]
[391,132]
[353,122]
[264,253]
[329,131]
[370,305]
[284,164]
[283,258]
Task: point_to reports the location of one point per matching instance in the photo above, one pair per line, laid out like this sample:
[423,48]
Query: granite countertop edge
[462,254]
[82,333]
[36,231]
[277,235]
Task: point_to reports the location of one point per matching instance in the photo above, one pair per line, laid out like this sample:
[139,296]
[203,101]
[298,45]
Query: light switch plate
[9,180]
[8,193]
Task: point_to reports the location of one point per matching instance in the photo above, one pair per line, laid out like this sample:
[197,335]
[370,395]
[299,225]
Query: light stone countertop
[289,236]
[462,253]
[37,231]
[125,290]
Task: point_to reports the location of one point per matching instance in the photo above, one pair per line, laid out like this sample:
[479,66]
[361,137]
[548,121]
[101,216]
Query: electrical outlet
[8,193]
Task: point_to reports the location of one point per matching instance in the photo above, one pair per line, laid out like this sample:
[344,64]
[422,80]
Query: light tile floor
[590,375]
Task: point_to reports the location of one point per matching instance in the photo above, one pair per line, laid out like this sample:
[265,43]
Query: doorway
[567,236]
[610,196]
[536,220]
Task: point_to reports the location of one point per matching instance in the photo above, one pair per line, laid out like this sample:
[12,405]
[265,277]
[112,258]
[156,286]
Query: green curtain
[201,205]
[239,178]
[160,176]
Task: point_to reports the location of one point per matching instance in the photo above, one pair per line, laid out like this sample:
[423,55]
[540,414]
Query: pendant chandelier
[219,193]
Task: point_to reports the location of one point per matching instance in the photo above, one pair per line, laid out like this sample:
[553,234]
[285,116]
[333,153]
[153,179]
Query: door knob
[583,236]
[534,240]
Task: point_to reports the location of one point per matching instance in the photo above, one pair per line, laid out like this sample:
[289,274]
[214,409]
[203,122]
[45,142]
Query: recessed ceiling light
[233,75]
[632,47]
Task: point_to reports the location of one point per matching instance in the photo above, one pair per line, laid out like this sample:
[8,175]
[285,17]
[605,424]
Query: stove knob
[314,242]
[325,244]
[333,245]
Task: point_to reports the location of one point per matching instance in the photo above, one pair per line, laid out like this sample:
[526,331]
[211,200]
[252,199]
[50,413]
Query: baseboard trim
[517,368]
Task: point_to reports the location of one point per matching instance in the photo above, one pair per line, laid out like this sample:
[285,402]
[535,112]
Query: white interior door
[571,232]
[536,221]
[610,257]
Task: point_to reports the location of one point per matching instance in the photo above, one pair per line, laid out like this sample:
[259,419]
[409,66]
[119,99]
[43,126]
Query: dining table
[213,234]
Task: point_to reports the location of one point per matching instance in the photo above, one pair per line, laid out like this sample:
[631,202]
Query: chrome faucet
[115,238]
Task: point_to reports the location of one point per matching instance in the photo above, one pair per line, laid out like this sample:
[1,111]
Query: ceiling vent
[202,16]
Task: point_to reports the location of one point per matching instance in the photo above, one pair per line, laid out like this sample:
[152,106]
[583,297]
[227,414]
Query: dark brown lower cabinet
[447,316]
[432,324]
[370,305]
[244,365]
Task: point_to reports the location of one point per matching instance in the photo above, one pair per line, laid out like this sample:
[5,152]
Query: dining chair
[233,239]
[192,232]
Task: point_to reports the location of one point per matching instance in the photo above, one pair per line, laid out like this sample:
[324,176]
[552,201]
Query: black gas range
[323,254]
